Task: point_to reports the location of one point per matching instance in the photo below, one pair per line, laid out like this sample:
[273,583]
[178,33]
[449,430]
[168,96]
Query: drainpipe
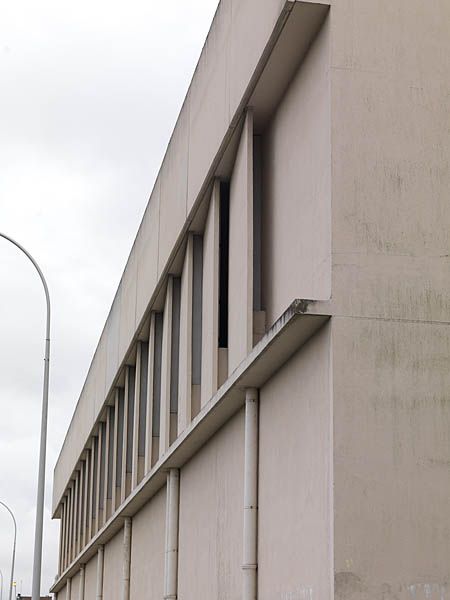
[126,558]
[82,576]
[250,562]
[68,589]
[172,508]
[100,561]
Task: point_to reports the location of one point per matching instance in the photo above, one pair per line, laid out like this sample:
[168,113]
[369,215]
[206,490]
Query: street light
[13,550]
[37,559]
[1,585]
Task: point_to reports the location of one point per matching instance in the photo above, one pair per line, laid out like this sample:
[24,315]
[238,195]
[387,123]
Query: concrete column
[149,412]
[70,544]
[137,417]
[62,537]
[100,561]
[108,450]
[185,364]
[164,428]
[80,508]
[210,300]
[91,523]
[68,588]
[115,501]
[250,559]
[82,578]
[172,515]
[126,558]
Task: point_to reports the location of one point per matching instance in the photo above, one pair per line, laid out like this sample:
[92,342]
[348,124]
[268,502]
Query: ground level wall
[354,480]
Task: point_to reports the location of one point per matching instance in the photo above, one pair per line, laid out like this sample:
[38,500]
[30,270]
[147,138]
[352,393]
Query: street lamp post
[13,558]
[1,585]
[37,559]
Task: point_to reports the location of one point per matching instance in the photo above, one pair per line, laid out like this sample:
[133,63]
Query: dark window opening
[224,240]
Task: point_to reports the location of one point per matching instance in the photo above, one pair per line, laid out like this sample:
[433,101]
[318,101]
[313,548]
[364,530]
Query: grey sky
[89,95]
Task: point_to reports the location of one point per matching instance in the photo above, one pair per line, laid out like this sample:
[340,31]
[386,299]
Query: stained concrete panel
[75,587]
[209,100]
[296,219]
[294,535]
[62,594]
[391,218]
[147,549]
[244,56]
[174,181]
[210,302]
[113,568]
[391,457]
[112,336]
[402,36]
[205,120]
[240,278]
[147,243]
[211,521]
[99,364]
[90,575]
[128,304]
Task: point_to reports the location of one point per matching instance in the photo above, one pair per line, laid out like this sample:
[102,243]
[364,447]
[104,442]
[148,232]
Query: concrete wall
[240,290]
[391,175]
[61,595]
[377,80]
[391,224]
[147,549]
[296,207]
[391,458]
[90,581]
[211,521]
[113,568]
[295,477]
[75,587]
[220,80]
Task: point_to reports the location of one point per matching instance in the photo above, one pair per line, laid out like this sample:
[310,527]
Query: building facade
[267,414]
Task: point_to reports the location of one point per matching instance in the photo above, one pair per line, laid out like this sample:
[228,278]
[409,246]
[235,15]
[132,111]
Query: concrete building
[267,414]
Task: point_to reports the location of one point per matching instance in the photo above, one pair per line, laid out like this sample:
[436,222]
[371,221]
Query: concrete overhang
[289,333]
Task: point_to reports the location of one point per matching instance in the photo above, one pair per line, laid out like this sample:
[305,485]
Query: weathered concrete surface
[295,476]
[113,568]
[211,517]
[391,457]
[218,85]
[240,279]
[147,549]
[296,167]
[90,579]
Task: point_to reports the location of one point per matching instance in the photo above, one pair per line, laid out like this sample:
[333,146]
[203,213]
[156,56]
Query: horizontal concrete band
[281,35]
[301,321]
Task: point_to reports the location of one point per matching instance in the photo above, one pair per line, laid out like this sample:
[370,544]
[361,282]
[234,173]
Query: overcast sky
[89,95]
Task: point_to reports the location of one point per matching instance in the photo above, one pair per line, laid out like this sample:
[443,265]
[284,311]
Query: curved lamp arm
[13,550]
[37,560]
